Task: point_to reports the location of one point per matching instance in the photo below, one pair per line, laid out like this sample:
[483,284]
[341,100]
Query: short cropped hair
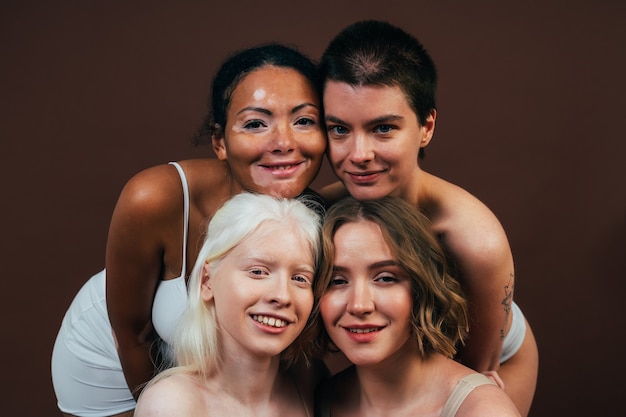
[372,52]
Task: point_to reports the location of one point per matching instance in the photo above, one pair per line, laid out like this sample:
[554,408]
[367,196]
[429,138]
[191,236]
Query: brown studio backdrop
[530,108]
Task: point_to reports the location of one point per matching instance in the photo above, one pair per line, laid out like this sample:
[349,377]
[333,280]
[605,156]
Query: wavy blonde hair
[439,313]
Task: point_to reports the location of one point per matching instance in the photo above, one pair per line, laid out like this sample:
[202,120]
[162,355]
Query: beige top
[457,396]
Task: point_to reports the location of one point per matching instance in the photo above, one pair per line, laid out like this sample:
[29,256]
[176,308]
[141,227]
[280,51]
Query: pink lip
[364,177]
[282,170]
[370,332]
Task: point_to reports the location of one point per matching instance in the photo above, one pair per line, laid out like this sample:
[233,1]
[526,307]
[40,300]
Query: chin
[279,190]
[363,193]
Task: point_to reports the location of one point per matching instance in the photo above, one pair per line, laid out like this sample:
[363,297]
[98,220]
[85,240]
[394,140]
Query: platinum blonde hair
[195,348]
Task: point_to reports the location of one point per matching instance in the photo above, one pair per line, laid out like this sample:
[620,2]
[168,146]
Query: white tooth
[265,320]
[271,321]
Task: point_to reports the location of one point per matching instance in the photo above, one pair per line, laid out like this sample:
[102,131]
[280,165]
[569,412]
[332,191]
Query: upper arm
[135,247]
[484,266]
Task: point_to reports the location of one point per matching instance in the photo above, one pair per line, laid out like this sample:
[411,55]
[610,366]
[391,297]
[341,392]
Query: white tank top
[171,295]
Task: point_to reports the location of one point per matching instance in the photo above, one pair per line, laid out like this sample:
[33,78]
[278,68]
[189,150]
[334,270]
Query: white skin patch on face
[259,94]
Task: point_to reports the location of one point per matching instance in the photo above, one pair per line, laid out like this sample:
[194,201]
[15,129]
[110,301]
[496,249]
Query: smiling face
[374,139]
[366,308]
[273,139]
[262,291]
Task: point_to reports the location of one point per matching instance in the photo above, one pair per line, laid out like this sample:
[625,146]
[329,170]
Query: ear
[206,292]
[428,129]
[219,145]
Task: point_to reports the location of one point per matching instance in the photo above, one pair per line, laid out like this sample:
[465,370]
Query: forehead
[274,236]
[272,78]
[340,96]
[362,240]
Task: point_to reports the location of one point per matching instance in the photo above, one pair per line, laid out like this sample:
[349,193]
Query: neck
[250,380]
[414,190]
[399,382]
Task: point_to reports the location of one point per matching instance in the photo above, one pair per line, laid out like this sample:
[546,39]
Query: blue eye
[302,279]
[384,128]
[337,130]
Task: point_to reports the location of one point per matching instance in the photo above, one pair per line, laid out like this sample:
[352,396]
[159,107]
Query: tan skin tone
[273,143]
[373,149]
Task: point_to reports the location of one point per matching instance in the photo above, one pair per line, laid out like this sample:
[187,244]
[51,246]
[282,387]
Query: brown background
[531,120]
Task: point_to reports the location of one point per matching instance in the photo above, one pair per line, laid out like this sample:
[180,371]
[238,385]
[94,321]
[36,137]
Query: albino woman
[250,297]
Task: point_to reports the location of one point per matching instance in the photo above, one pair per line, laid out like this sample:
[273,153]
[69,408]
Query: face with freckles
[273,140]
[262,291]
[366,308]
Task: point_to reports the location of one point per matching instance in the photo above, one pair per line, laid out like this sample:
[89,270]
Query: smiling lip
[364,177]
[270,324]
[363,334]
[282,170]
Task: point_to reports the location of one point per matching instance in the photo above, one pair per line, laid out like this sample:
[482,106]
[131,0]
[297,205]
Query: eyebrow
[378,120]
[375,265]
[273,260]
[269,113]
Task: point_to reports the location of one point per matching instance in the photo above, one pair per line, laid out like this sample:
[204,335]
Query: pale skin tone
[273,143]
[366,311]
[262,296]
[374,141]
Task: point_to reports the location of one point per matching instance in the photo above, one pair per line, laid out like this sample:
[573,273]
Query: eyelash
[307,120]
[257,273]
[383,279]
[334,129]
[386,279]
[257,123]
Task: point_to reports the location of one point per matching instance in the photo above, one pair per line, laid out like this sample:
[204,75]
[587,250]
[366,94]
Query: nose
[280,292]
[362,150]
[283,139]
[360,300]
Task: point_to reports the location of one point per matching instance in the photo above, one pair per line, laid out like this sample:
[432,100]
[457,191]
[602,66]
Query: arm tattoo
[506,302]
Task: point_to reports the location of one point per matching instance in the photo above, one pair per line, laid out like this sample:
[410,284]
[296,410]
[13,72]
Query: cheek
[337,152]
[401,304]
[305,303]
[244,150]
[330,307]
[315,144]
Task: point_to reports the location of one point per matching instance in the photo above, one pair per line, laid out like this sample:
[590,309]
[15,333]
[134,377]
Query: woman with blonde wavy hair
[388,303]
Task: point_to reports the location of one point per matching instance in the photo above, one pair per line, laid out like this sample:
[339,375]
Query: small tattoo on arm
[506,303]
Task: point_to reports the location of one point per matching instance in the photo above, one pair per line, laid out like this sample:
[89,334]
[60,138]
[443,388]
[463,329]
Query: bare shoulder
[466,226]
[156,190]
[175,395]
[486,401]
[152,189]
